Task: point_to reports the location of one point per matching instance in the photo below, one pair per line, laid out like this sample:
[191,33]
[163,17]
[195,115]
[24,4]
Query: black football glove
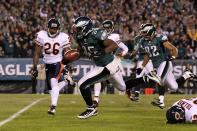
[34,72]
[170,58]
[139,70]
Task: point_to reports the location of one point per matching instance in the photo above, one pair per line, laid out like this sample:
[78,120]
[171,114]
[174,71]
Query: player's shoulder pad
[100,34]
[138,37]
[64,35]
[162,37]
[41,33]
[114,35]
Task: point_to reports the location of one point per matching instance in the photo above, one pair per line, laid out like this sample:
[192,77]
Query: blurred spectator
[1,51]
[41,79]
[181,51]
[177,19]
[9,47]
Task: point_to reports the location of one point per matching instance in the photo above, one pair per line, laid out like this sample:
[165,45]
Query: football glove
[139,70]
[34,72]
[170,58]
[123,53]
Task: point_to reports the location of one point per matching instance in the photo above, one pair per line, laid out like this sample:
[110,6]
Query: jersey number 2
[55,50]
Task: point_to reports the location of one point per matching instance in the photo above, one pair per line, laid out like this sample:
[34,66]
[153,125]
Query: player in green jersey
[100,48]
[155,46]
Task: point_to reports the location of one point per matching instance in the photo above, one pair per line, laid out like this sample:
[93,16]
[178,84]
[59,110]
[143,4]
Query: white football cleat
[188,74]
[88,113]
[154,77]
[51,111]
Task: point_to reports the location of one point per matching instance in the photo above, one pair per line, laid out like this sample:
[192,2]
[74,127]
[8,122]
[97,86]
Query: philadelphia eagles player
[156,46]
[139,50]
[122,50]
[100,48]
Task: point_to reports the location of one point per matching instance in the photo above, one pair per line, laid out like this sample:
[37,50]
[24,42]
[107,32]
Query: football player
[155,46]
[95,42]
[122,50]
[183,111]
[52,43]
[139,50]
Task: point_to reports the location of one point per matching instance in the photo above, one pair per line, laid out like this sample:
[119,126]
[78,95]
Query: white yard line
[19,112]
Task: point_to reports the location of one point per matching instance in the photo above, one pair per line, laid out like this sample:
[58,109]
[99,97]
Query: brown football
[71,55]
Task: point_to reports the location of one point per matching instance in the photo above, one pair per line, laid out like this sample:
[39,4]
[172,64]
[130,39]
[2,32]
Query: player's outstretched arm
[172,48]
[36,55]
[110,45]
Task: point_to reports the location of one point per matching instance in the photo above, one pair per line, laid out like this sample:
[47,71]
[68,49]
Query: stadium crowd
[21,19]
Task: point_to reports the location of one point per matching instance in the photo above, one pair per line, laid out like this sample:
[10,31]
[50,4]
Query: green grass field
[116,113]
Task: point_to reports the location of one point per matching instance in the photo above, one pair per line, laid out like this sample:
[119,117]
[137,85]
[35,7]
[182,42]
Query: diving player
[183,111]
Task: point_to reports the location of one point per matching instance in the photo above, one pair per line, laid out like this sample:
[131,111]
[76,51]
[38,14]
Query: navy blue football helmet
[175,114]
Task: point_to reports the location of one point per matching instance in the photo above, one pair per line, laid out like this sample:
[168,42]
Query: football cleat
[158,104]
[188,74]
[128,92]
[135,97]
[95,103]
[51,111]
[90,111]
[152,76]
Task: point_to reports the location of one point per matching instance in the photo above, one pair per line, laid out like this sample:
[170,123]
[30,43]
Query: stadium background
[19,23]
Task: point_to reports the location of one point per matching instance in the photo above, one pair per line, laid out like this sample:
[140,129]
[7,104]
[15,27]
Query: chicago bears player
[52,43]
[95,42]
[183,111]
[122,50]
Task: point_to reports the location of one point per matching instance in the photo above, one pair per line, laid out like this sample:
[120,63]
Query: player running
[95,42]
[122,50]
[52,43]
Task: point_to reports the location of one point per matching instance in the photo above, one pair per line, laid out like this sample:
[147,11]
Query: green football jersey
[93,45]
[139,47]
[155,49]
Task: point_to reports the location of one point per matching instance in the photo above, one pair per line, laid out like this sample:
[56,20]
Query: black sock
[134,82]
[161,90]
[87,96]
[180,81]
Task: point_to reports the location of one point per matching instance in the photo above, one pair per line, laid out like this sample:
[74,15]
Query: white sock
[161,99]
[96,98]
[54,95]
[54,92]
[97,89]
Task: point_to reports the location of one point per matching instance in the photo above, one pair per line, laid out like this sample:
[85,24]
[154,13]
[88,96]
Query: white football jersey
[190,106]
[116,38]
[52,47]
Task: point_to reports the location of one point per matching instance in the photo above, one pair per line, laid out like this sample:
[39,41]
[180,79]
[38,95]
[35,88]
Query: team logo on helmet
[175,114]
[147,30]
[82,27]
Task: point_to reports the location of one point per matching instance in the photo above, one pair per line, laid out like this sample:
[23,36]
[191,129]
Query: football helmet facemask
[147,30]
[109,26]
[175,114]
[53,27]
[82,27]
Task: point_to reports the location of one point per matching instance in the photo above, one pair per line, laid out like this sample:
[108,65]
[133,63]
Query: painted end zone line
[19,112]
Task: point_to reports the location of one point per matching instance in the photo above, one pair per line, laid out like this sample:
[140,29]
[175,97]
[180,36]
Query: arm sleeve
[123,47]
[66,41]
[39,39]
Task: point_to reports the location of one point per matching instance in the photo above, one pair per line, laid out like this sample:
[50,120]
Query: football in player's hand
[71,55]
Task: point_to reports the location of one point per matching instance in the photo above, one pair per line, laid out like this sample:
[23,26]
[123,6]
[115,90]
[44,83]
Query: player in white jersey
[183,111]
[52,43]
[108,25]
